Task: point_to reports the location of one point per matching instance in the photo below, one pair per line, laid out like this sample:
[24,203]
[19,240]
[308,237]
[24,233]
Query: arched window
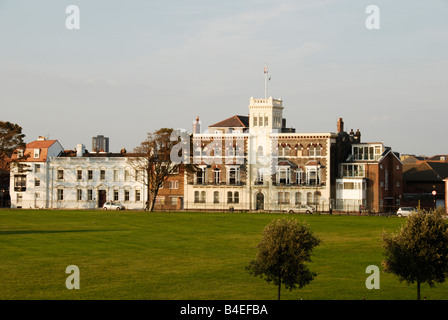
[260,152]
[202,197]
[216,176]
[309,198]
[196,197]
[216,197]
[233,175]
[298,198]
[311,151]
[200,176]
[299,150]
[229,197]
[299,176]
[283,175]
[233,197]
[316,197]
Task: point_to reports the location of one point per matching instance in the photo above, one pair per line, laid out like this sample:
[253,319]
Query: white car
[406,211]
[301,208]
[113,205]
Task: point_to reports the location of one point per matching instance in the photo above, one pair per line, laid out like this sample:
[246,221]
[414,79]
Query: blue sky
[135,66]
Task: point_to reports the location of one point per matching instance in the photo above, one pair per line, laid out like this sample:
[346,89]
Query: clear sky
[137,65]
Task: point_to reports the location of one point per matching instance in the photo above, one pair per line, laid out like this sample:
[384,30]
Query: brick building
[171,196]
[420,179]
[255,162]
[370,179]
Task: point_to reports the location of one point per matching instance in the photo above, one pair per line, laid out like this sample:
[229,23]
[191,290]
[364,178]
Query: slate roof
[233,122]
[426,171]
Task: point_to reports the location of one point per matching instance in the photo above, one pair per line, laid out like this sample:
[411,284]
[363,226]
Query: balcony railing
[297,184]
[220,183]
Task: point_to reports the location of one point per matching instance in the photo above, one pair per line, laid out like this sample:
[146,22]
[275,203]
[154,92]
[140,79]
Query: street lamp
[434,192]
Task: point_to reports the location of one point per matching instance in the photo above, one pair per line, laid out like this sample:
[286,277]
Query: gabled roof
[284,162]
[233,122]
[43,145]
[411,159]
[386,152]
[426,171]
[441,168]
[40,144]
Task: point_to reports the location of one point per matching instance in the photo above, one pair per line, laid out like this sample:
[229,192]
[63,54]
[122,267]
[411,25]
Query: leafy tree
[418,252]
[11,139]
[285,247]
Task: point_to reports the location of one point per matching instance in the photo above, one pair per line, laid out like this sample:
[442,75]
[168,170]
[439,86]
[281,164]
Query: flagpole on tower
[265,81]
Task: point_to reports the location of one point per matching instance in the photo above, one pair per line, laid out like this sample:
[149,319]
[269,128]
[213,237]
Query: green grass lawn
[176,256]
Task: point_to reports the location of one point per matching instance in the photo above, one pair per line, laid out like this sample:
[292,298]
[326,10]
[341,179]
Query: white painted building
[53,178]
[28,184]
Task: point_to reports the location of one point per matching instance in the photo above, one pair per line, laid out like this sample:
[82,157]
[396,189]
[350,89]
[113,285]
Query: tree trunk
[418,290]
[279,287]
[153,202]
[148,188]
[148,196]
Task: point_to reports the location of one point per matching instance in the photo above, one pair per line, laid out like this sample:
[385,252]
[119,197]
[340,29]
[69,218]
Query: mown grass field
[177,256]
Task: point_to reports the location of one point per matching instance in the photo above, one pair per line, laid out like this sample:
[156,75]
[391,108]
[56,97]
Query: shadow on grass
[4,233]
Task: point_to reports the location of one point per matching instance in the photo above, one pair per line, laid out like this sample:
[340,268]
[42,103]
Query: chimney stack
[196,126]
[80,150]
[340,125]
[358,136]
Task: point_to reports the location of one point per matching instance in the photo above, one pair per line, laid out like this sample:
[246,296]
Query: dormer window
[36,153]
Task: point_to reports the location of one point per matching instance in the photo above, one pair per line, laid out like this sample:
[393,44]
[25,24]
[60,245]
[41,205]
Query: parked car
[302,208]
[113,205]
[405,211]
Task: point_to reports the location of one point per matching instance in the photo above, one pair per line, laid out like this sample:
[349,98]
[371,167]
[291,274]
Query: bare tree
[157,158]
